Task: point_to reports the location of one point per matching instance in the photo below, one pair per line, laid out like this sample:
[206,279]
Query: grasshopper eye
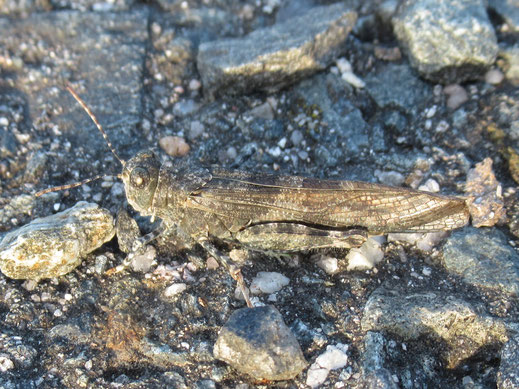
[139,177]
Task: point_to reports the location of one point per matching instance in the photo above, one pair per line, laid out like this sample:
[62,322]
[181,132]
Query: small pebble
[212,264]
[142,262]
[296,137]
[174,289]
[232,153]
[263,111]
[268,282]
[430,185]
[194,84]
[328,264]
[335,357]
[457,95]
[366,256]
[196,129]
[174,146]
[5,364]
[494,76]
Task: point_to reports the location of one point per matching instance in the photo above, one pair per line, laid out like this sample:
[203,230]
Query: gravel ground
[266,86]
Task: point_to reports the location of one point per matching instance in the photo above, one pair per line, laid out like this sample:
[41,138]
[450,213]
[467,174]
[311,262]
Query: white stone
[268,282]
[175,289]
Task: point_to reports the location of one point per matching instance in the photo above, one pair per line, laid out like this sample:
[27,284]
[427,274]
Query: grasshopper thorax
[140,177]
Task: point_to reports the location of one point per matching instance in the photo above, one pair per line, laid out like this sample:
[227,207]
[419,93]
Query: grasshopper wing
[262,198]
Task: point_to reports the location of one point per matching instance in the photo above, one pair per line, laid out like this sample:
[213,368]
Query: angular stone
[508,375]
[483,258]
[412,315]
[486,204]
[447,41]
[257,342]
[508,10]
[272,58]
[55,245]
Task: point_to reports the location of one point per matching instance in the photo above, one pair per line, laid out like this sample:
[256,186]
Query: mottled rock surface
[508,375]
[412,315]
[272,58]
[257,342]
[446,41]
[483,258]
[55,245]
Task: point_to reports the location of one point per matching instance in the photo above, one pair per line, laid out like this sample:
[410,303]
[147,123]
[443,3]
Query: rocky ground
[422,94]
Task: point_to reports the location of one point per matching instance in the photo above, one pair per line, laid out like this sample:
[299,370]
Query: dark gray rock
[396,86]
[446,40]
[257,342]
[378,379]
[508,375]
[21,353]
[272,58]
[103,51]
[508,10]
[345,125]
[413,314]
[7,143]
[483,258]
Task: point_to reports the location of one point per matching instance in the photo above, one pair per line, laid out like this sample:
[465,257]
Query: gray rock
[483,258]
[378,379]
[508,374]
[511,56]
[397,86]
[54,245]
[7,144]
[257,342]
[447,41]
[375,375]
[508,10]
[345,124]
[272,58]
[411,315]
[104,51]
[18,351]
[373,357]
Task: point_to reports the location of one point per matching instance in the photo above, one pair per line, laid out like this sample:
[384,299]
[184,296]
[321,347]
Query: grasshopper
[269,212]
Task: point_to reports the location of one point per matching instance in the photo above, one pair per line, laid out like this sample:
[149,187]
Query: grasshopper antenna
[74,185]
[96,122]
[110,146]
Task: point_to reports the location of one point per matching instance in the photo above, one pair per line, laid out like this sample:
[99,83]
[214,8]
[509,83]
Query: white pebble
[142,262]
[194,84]
[430,185]
[494,76]
[4,122]
[5,364]
[174,146]
[268,282]
[353,79]
[174,289]
[366,256]
[333,358]
[328,264]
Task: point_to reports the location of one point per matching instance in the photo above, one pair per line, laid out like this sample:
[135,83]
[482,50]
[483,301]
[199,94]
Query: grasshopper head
[140,176]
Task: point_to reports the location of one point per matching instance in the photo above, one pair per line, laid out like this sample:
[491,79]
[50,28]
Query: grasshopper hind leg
[290,237]
[233,269]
